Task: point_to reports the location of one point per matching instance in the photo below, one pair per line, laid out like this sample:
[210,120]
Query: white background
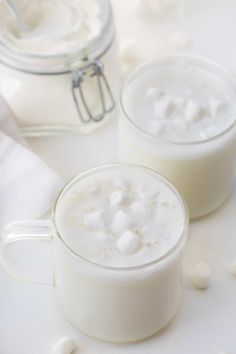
[206,324]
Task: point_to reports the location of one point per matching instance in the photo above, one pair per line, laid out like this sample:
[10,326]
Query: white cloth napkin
[27,185]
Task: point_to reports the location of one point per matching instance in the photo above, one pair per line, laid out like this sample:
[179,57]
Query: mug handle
[35,230]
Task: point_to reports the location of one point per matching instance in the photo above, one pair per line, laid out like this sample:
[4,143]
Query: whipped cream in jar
[179,119]
[62,74]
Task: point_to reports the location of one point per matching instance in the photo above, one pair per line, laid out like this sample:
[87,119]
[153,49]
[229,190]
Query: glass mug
[202,171]
[118,304]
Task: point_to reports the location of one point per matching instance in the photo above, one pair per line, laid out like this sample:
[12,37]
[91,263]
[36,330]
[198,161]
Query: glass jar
[112,303]
[203,170]
[74,92]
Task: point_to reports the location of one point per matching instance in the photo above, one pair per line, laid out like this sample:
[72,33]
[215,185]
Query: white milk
[126,227]
[66,40]
[179,117]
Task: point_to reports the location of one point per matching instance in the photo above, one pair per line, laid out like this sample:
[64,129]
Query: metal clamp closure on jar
[94,69]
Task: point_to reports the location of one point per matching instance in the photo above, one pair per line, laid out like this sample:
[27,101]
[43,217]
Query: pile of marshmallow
[166,109]
[127,214]
[201,274]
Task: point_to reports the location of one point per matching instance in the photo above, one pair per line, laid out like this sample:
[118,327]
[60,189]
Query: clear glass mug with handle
[119,304]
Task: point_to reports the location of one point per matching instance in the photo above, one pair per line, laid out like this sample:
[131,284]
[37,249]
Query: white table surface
[206,324]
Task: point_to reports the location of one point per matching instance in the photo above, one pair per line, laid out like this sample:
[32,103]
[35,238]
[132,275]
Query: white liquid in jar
[179,119]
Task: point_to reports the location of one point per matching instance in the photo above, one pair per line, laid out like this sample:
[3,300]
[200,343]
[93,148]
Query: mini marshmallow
[121,222]
[128,243]
[155,126]
[94,221]
[181,40]
[163,107]
[117,198]
[193,111]
[233,269]
[64,345]
[201,275]
[146,191]
[215,106]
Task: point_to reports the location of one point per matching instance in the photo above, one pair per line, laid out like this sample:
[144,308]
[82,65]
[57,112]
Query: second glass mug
[202,171]
[118,304]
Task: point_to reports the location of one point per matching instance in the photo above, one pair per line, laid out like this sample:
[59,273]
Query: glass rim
[157,61]
[92,45]
[182,239]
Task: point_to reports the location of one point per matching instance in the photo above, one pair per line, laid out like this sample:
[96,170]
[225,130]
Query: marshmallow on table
[64,345]
[121,222]
[201,275]
[128,243]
